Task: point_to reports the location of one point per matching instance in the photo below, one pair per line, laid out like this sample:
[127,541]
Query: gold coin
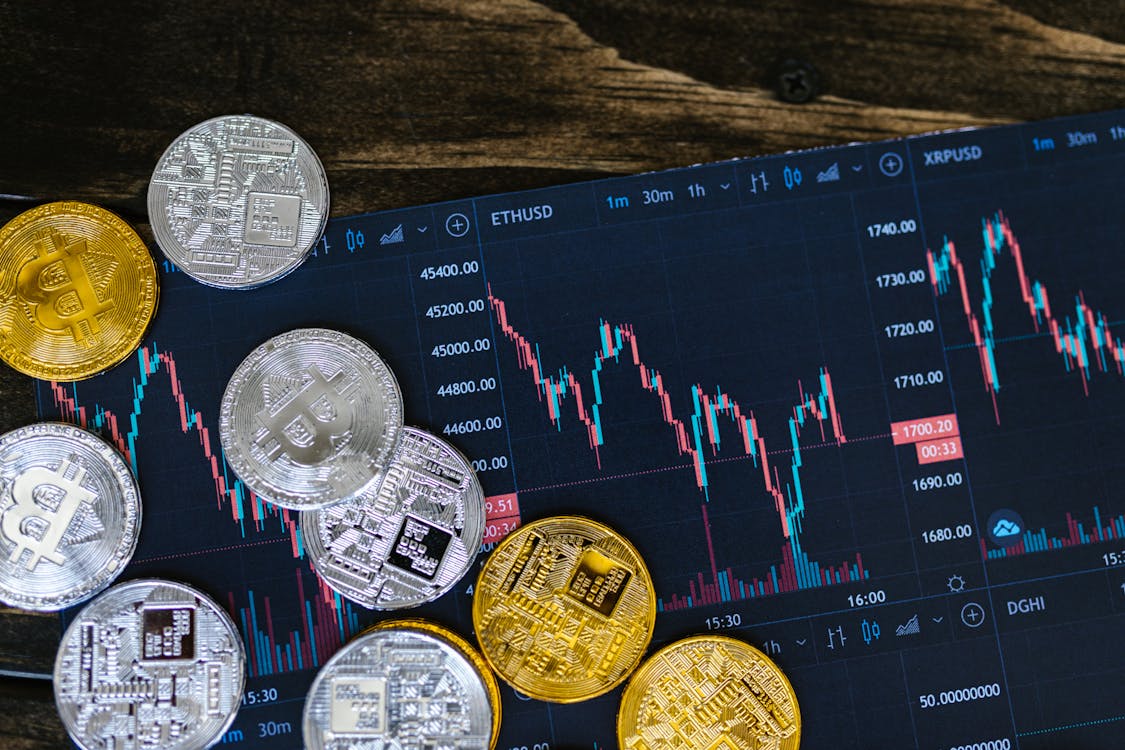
[78,288]
[709,692]
[564,609]
[466,649]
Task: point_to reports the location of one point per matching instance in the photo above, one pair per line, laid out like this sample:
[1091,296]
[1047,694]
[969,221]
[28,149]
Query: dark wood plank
[440,84]
[29,719]
[979,58]
[29,640]
[409,101]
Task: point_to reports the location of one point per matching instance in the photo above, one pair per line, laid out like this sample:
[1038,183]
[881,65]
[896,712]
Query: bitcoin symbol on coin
[322,401]
[39,518]
[306,426]
[57,285]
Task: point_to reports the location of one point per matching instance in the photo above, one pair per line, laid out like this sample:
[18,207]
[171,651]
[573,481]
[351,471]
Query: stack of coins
[563,611]
[393,516]
[459,644]
[408,683]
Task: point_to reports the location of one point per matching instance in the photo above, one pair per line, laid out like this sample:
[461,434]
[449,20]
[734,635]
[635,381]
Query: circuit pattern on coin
[78,289]
[70,515]
[149,664]
[466,649]
[310,418]
[709,691]
[564,609]
[409,541]
[238,201]
[401,688]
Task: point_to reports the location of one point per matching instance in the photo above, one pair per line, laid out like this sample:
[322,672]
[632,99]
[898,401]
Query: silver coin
[409,541]
[149,664]
[310,418]
[238,201]
[397,688]
[70,514]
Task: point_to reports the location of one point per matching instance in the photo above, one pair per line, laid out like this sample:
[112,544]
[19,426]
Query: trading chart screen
[863,407]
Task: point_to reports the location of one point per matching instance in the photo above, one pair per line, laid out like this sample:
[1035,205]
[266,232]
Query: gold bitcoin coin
[465,649]
[709,692]
[77,291]
[564,609]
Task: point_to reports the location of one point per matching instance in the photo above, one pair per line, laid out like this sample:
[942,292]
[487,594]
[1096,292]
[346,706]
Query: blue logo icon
[1005,527]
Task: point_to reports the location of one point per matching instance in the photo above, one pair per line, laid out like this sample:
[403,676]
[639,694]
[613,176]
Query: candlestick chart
[869,422]
[796,570]
[1080,343]
[1083,339]
[231,493]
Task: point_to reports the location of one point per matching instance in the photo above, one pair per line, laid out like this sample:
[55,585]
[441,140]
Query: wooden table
[411,101]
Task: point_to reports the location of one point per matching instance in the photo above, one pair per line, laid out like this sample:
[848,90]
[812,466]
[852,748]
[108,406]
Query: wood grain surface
[411,101]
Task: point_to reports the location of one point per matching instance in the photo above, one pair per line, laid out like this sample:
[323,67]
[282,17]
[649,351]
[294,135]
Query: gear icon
[956,583]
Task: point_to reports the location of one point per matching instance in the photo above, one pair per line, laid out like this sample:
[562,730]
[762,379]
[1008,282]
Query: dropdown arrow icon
[422,229]
[725,185]
[802,641]
[937,619]
[857,167]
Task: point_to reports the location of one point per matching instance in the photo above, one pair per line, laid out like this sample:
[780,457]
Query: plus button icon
[972,614]
[457,225]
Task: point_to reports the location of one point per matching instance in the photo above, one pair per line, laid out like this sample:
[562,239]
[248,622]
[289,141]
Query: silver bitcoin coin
[398,688]
[310,418]
[70,514]
[149,664]
[410,540]
[238,201]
